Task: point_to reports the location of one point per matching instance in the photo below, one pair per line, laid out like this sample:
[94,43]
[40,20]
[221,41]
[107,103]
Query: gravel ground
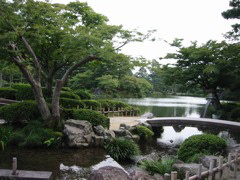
[117,120]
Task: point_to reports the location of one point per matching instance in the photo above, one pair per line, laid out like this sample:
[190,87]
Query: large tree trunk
[49,84]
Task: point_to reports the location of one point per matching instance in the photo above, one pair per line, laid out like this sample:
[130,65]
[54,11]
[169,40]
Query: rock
[235,148]
[109,173]
[107,134]
[192,168]
[123,126]
[148,115]
[107,170]
[79,133]
[205,160]
[123,133]
[142,175]
[98,141]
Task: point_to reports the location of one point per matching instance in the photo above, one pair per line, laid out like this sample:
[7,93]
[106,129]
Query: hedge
[17,112]
[92,103]
[70,95]
[71,103]
[83,94]
[205,143]
[95,118]
[24,92]
[107,103]
[8,93]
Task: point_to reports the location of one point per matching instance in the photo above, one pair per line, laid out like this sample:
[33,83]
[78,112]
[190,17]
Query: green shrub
[17,112]
[92,103]
[71,103]
[5,133]
[204,143]
[144,132]
[24,92]
[70,95]
[95,118]
[35,135]
[83,94]
[8,93]
[107,103]
[121,149]
[235,114]
[66,89]
[160,167]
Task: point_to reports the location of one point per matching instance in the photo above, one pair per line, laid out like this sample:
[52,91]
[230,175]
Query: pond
[75,163]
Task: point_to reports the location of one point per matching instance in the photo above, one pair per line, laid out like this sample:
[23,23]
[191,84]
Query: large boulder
[79,133]
[101,131]
[107,170]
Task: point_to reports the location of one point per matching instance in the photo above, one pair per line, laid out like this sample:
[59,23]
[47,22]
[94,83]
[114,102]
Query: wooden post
[187,175]
[199,171]
[167,176]
[229,165]
[174,175]
[210,174]
[235,165]
[91,108]
[118,111]
[14,166]
[220,167]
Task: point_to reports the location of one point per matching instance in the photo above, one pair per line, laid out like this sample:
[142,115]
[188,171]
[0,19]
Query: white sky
[191,20]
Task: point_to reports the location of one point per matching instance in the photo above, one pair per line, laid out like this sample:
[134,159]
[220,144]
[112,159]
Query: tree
[108,83]
[206,66]
[46,41]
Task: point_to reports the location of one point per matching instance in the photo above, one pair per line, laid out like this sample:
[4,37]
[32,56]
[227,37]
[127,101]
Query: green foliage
[5,133]
[70,95]
[160,167]
[16,112]
[204,143]
[83,94]
[107,103]
[196,157]
[92,103]
[121,149]
[8,93]
[235,114]
[24,92]
[144,132]
[71,103]
[35,135]
[108,83]
[95,118]
[138,87]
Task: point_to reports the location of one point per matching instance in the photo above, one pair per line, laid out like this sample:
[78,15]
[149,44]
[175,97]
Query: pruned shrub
[92,104]
[160,167]
[8,93]
[205,143]
[83,94]
[107,103]
[5,133]
[71,103]
[235,114]
[35,135]
[144,132]
[95,118]
[24,92]
[16,112]
[70,95]
[121,149]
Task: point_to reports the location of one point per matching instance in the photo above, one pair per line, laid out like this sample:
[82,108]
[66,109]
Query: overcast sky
[191,20]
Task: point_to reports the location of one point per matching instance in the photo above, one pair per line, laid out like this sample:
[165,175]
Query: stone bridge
[191,121]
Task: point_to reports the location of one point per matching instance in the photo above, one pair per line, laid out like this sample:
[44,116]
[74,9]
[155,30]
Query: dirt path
[117,120]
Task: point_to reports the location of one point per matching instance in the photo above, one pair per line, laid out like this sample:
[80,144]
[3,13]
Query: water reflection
[181,106]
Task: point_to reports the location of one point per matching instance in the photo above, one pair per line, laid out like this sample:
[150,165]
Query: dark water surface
[75,163]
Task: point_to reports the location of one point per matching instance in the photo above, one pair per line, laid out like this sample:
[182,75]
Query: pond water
[75,163]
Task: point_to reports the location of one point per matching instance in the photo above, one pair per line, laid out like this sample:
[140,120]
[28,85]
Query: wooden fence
[217,171]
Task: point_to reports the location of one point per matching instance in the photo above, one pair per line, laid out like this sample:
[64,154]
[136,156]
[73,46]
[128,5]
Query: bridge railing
[216,170]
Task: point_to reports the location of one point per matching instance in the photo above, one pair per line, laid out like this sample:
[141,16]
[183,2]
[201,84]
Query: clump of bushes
[35,135]
[144,132]
[83,94]
[8,93]
[24,91]
[204,143]
[95,118]
[161,167]
[5,133]
[69,95]
[92,104]
[107,103]
[71,103]
[121,149]
[16,112]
